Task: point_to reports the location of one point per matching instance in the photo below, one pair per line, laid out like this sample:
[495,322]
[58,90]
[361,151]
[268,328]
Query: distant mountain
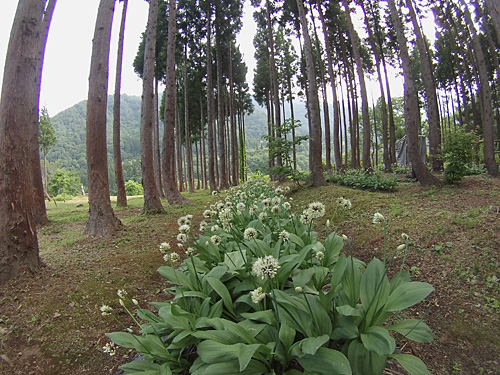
[70,150]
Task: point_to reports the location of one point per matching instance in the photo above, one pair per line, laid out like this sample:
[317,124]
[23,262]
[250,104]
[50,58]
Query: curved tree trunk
[36,170]
[430,92]
[411,105]
[364,97]
[315,164]
[494,12]
[102,220]
[169,181]
[121,197]
[18,115]
[486,101]
[152,201]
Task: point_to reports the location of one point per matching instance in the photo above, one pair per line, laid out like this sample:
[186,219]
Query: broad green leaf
[222,291]
[228,368]
[311,345]
[235,260]
[246,353]
[374,289]
[296,239]
[124,339]
[347,310]
[338,271]
[407,294]
[412,364]
[326,362]
[346,329]
[363,361]
[287,336]
[143,367]
[174,276]
[351,281]
[401,277]
[220,336]
[413,329]
[333,246]
[378,340]
[266,316]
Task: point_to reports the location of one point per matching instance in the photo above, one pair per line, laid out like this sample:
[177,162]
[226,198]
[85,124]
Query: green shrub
[457,153]
[258,292]
[363,180]
[133,188]
[65,183]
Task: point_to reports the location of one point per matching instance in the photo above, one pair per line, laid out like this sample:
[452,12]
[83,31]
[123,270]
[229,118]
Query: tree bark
[187,130]
[364,97]
[18,115]
[430,92]
[210,106]
[411,105]
[315,164]
[152,201]
[121,196]
[102,220]
[486,101]
[169,181]
[337,152]
[36,170]
[494,12]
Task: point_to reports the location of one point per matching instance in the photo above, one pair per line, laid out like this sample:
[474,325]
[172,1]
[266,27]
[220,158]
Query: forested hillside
[69,150]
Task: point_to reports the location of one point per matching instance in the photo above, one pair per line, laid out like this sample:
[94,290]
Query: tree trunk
[156,143]
[102,220]
[430,93]
[315,164]
[383,104]
[18,115]
[40,211]
[210,106]
[486,101]
[152,201]
[494,12]
[337,152]
[364,97]
[411,105]
[187,130]
[169,181]
[121,196]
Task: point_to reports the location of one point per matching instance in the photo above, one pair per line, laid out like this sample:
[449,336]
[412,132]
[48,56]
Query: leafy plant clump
[457,153]
[363,180]
[260,293]
[133,188]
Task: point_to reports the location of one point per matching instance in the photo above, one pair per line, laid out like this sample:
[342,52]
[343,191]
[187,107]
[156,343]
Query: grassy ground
[50,322]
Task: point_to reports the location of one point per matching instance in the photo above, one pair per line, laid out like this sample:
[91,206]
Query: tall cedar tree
[102,220]
[411,105]
[315,164]
[36,171]
[152,201]
[169,181]
[121,196]
[18,115]
[430,92]
[353,35]
[486,100]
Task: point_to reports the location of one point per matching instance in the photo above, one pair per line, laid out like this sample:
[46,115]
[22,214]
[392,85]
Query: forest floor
[50,322]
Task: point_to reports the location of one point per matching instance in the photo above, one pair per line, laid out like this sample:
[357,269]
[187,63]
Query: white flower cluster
[172,258]
[378,218]
[250,234]
[266,267]
[109,348]
[257,295]
[345,203]
[164,247]
[106,310]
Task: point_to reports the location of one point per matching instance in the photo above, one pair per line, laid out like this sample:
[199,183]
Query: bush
[64,183]
[457,153]
[259,293]
[133,188]
[363,180]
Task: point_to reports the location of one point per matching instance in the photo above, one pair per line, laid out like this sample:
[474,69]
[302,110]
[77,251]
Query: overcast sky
[67,58]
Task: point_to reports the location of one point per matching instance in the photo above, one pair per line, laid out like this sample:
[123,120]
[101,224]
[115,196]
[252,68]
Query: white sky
[67,58]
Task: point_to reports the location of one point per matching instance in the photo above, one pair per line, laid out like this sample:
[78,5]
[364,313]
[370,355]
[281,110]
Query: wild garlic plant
[260,293]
